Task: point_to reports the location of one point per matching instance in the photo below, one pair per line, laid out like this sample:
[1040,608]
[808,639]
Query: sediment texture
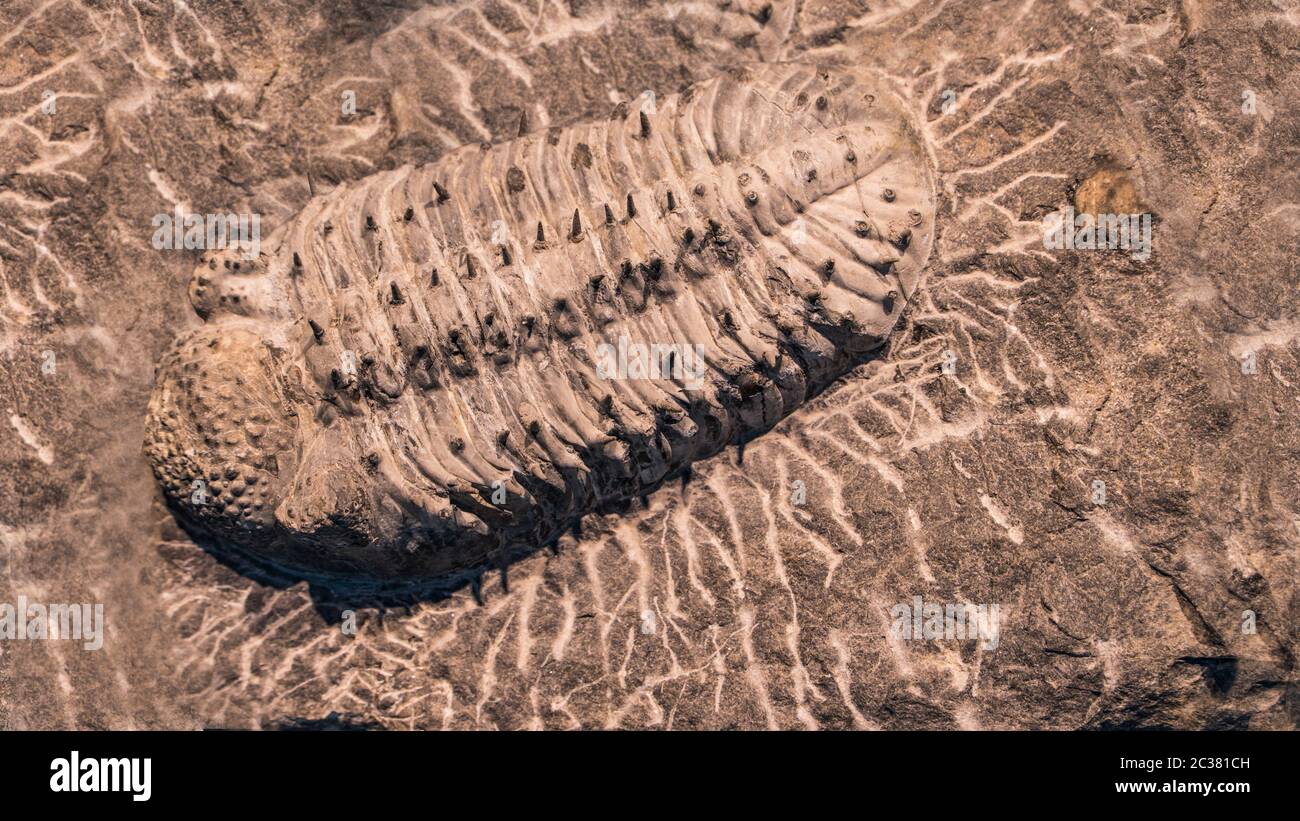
[974,485]
[421,372]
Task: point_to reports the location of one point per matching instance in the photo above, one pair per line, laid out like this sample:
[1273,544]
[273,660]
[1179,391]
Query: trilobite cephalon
[409,380]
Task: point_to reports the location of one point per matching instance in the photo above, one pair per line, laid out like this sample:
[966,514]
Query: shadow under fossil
[335,594]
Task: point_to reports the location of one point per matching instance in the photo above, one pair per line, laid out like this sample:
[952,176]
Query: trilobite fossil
[437,366]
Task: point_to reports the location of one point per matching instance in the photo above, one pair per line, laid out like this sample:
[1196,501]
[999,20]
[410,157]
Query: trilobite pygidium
[409,380]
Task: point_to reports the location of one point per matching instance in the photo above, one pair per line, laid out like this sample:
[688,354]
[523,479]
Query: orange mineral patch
[1109,191]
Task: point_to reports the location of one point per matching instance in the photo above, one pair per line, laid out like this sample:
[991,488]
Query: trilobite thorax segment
[438,364]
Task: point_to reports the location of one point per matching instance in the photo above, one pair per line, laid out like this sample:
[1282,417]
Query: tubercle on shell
[428,419]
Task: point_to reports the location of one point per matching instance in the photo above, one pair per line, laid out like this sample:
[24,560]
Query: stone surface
[958,465]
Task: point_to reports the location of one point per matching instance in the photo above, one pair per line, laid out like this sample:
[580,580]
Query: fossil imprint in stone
[412,380]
